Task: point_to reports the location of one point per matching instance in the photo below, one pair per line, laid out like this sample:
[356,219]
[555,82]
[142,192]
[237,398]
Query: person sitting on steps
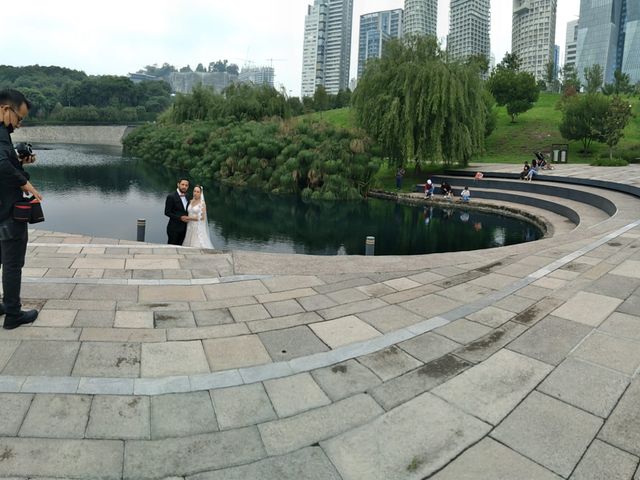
[446,190]
[429,188]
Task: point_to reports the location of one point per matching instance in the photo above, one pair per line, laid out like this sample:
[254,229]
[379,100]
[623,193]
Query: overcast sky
[118,37]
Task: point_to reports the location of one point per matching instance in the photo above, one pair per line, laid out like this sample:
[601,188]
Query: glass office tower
[375,30]
[598,36]
[609,35]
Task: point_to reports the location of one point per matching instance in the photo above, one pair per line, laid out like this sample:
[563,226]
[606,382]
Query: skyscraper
[313,54]
[469,27]
[533,34]
[631,57]
[598,37]
[327,46]
[571,44]
[375,30]
[609,35]
[420,17]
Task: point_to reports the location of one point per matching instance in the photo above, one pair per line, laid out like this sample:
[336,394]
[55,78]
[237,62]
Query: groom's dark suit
[174,209]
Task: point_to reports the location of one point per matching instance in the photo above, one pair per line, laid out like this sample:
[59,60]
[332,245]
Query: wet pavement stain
[527,316]
[444,367]
[490,267]
[486,342]
[127,361]
[7,454]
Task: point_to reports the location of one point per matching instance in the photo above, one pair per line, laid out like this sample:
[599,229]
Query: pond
[94,190]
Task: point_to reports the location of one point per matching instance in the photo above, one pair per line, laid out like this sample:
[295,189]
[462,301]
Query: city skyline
[121,37]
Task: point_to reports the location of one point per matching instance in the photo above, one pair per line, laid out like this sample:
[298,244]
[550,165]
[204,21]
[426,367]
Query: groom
[176,209]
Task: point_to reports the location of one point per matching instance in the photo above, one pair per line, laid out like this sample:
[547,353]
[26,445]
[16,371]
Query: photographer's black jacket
[12,175]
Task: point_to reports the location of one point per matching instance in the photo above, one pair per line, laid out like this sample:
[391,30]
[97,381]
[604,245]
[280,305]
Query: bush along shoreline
[307,157]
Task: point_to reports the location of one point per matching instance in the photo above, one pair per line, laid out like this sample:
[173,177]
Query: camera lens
[24,149]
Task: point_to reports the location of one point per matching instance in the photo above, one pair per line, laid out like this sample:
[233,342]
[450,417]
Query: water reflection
[95,191]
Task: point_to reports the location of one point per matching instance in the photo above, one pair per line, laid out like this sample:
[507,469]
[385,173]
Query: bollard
[370,246]
[141,229]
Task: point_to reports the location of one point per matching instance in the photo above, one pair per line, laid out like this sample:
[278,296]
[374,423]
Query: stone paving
[157,362]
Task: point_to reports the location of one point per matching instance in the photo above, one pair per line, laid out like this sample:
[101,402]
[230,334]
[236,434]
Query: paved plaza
[156,362]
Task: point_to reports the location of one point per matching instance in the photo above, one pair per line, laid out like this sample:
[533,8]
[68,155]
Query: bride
[198,226]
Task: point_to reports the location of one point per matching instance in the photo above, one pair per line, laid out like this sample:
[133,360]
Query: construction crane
[271,60]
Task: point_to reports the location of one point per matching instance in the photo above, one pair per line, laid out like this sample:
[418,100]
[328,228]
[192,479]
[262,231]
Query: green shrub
[607,162]
[630,154]
[312,158]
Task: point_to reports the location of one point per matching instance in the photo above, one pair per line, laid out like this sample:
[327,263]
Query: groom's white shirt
[183,198]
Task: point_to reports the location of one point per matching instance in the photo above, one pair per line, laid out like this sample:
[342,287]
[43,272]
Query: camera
[24,150]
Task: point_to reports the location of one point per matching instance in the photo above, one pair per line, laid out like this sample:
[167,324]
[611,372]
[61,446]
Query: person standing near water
[14,236]
[399,177]
[198,228]
[175,207]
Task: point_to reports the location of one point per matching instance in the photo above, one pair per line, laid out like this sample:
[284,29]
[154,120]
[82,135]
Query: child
[445,188]
[465,195]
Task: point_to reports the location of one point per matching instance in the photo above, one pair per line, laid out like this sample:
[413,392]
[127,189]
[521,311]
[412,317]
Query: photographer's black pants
[12,253]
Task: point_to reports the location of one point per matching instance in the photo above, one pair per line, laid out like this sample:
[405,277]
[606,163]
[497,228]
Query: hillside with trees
[64,96]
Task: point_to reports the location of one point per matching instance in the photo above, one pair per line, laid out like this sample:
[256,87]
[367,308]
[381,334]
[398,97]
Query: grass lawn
[537,129]
[534,130]
[341,117]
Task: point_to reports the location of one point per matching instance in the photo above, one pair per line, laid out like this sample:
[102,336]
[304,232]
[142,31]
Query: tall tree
[583,119]
[220,66]
[421,107]
[621,84]
[594,78]
[615,121]
[200,68]
[570,81]
[321,100]
[550,77]
[512,88]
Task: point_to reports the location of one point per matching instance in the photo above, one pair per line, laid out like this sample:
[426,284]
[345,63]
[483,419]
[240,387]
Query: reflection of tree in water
[324,227]
[113,177]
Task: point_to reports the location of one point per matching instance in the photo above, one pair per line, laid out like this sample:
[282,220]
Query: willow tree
[421,107]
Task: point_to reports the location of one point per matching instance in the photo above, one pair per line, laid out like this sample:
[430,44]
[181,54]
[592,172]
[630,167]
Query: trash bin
[560,152]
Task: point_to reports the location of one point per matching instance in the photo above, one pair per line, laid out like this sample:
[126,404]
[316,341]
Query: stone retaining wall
[83,135]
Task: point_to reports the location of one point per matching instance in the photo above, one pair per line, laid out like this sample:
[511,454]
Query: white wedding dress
[197,232]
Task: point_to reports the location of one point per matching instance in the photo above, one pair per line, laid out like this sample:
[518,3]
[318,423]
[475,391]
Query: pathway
[150,361]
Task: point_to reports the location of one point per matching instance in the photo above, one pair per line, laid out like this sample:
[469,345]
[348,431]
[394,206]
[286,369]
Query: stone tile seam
[144,282]
[146,246]
[162,385]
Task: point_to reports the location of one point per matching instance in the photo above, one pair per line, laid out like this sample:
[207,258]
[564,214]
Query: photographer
[14,181]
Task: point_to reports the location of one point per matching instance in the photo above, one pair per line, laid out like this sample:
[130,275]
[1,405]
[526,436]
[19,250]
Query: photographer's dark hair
[14,98]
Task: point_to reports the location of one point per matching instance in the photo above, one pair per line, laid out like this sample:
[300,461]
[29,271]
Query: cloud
[122,36]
